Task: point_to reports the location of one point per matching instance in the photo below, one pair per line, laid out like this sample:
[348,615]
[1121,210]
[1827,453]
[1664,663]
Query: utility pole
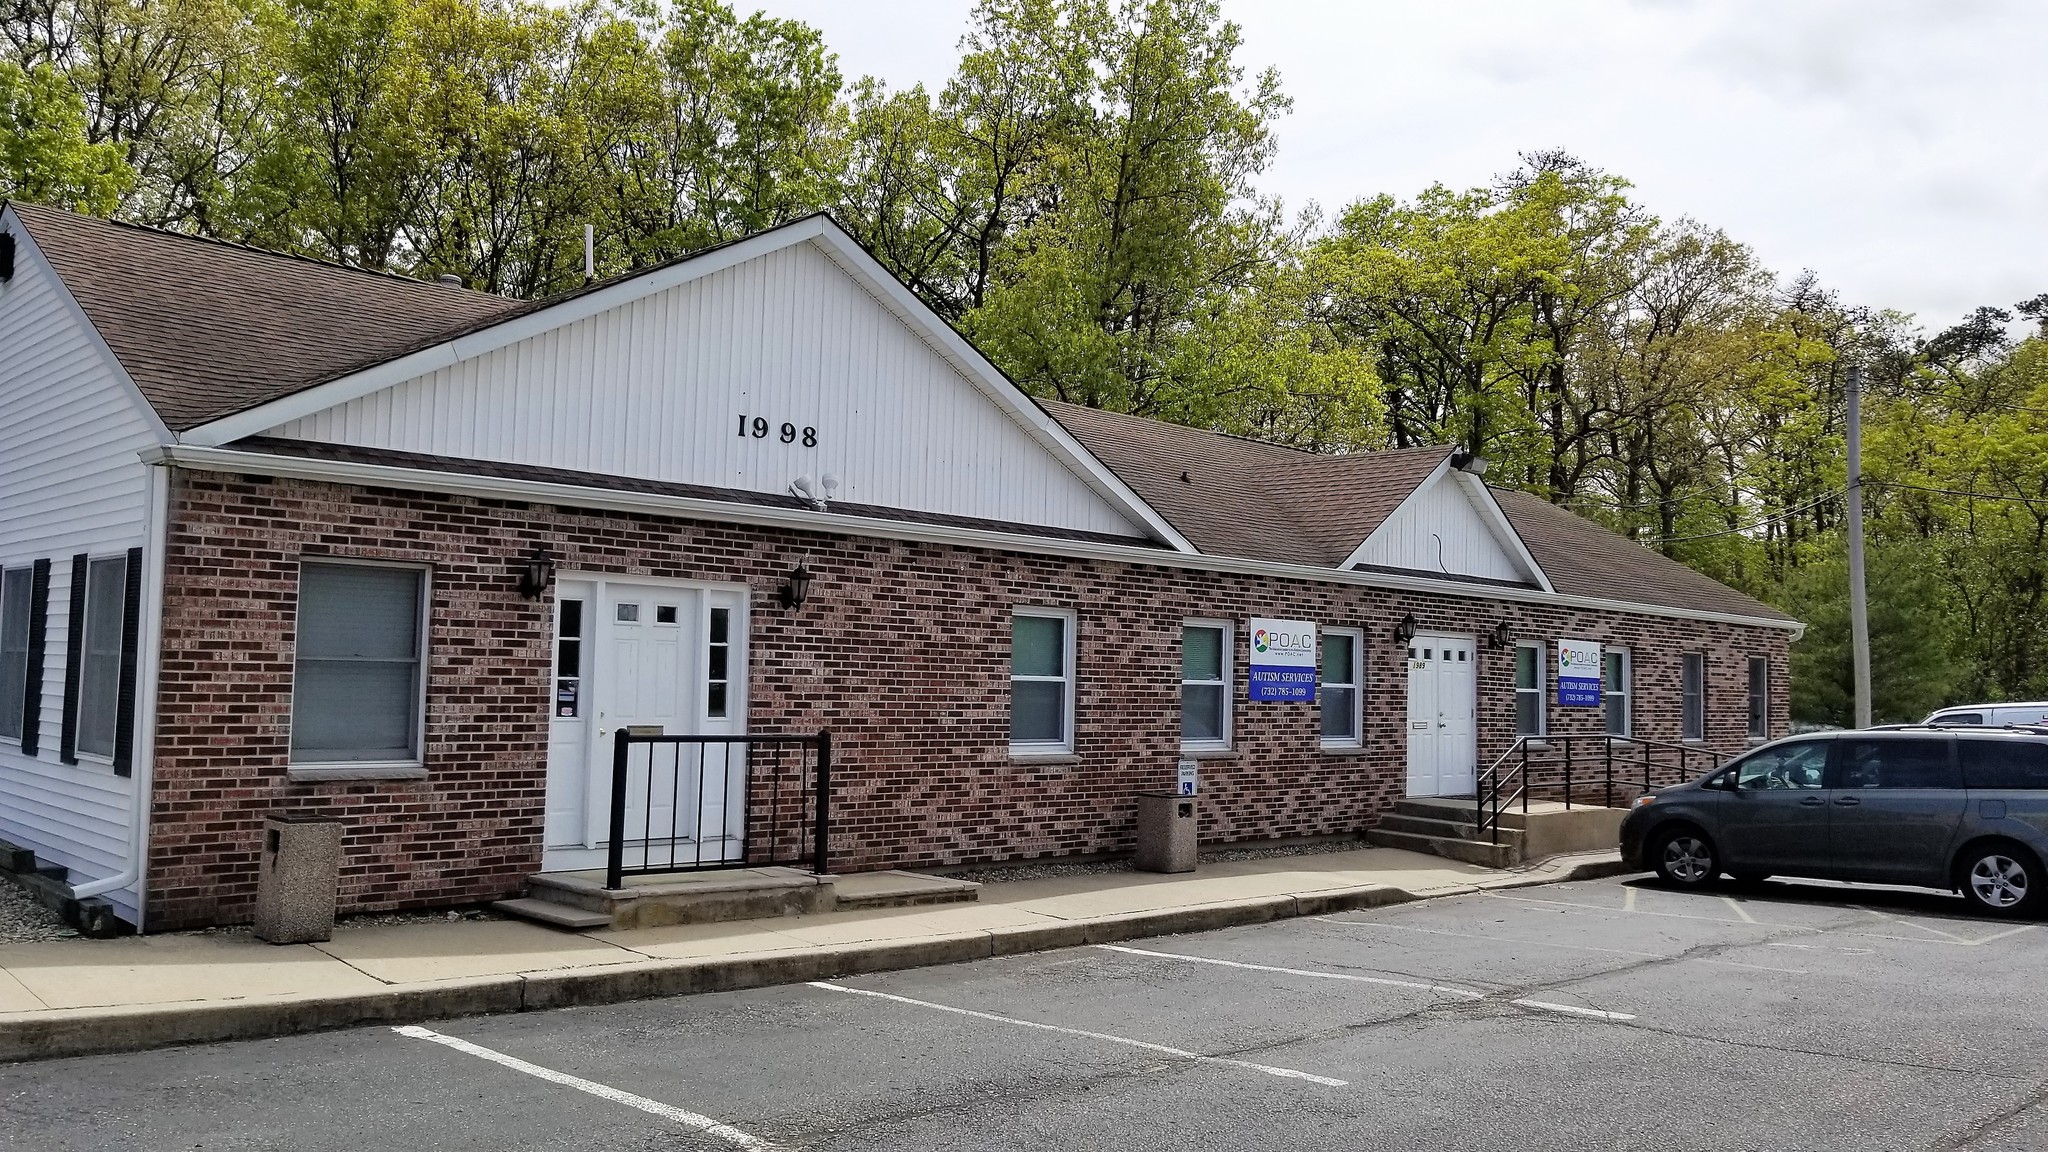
[1859,608]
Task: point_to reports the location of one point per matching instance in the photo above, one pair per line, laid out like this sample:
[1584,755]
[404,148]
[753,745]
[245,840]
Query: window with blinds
[357,683]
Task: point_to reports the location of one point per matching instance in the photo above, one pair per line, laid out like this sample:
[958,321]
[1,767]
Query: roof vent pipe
[450,279]
[589,253]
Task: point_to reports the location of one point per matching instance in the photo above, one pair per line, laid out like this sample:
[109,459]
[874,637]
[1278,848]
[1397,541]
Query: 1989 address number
[758,428]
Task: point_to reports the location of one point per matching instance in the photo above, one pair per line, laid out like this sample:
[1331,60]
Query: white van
[1993,715]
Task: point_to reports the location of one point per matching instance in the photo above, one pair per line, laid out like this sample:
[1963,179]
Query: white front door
[1442,737]
[661,657]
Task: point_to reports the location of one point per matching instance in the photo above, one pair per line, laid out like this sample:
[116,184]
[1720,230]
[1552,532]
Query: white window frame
[1750,696]
[89,631]
[1026,749]
[24,577]
[1225,671]
[1542,650]
[342,769]
[1686,662]
[1356,740]
[1627,693]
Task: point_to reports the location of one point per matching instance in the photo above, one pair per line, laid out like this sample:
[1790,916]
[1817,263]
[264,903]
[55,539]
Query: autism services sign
[1283,665]
[1578,674]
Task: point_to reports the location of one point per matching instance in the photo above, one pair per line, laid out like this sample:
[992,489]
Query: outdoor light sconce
[536,572]
[1500,635]
[796,588]
[1405,630]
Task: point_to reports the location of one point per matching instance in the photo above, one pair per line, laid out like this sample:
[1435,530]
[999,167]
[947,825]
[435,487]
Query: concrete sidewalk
[76,997]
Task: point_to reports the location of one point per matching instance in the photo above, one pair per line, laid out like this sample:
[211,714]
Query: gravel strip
[23,921]
[999,873]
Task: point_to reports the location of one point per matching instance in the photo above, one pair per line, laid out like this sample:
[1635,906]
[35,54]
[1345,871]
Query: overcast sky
[1892,146]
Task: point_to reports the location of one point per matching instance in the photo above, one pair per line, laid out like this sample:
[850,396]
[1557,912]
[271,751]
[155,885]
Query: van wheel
[2002,879]
[1684,858]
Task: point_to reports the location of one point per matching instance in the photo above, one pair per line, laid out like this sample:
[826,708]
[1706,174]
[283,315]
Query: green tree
[45,155]
[1912,667]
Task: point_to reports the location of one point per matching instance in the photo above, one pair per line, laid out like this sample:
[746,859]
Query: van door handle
[1813,801]
[1847,801]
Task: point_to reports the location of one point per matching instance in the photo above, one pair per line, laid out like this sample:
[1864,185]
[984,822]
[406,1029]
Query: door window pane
[1041,683]
[2003,763]
[569,658]
[1900,762]
[1801,765]
[14,607]
[357,682]
[718,681]
[1204,688]
[1339,689]
[99,682]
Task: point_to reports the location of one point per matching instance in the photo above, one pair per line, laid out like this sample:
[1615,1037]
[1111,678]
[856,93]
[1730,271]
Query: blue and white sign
[1578,674]
[1283,664]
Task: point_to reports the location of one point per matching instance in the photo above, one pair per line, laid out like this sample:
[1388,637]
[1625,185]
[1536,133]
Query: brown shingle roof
[1584,559]
[1249,499]
[207,329]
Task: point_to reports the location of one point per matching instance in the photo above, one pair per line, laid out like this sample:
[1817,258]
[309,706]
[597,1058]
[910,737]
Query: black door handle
[1813,801]
[1847,801]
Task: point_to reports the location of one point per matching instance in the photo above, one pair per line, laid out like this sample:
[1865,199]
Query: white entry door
[664,658]
[1443,748]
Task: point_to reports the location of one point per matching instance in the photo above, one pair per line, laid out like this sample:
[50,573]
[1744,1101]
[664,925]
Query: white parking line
[1738,909]
[1484,936]
[704,1124]
[1447,989]
[1268,1069]
[1640,912]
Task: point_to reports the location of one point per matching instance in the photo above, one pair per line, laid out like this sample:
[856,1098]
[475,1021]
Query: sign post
[1283,665]
[1578,674]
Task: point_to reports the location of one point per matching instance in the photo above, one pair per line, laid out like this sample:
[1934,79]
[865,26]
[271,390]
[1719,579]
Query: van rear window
[1959,718]
[2003,763]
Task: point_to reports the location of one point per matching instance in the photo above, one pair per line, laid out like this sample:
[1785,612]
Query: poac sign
[1578,674]
[1283,664]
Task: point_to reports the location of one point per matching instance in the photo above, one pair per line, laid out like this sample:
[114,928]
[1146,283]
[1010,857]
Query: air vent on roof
[451,279]
[6,255]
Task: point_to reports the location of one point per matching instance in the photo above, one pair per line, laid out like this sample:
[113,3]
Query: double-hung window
[1529,711]
[1614,690]
[14,612]
[1760,698]
[1338,693]
[1041,680]
[99,679]
[1205,685]
[1692,695]
[358,683]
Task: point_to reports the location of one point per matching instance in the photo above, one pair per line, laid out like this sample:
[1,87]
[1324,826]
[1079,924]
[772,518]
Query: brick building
[339,543]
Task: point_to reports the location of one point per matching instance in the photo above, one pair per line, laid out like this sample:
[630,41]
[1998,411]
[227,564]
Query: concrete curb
[98,1031]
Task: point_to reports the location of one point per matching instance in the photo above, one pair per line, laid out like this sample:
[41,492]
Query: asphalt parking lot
[1606,1014]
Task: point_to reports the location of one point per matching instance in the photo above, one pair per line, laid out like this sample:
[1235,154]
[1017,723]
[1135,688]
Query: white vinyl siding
[70,482]
[1041,681]
[656,389]
[1338,695]
[99,681]
[1692,691]
[14,603]
[1531,717]
[1205,685]
[1615,698]
[1437,529]
[357,679]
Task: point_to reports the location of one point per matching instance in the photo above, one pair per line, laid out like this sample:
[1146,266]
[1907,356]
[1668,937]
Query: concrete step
[1481,852]
[1398,821]
[897,889]
[552,914]
[689,897]
[1451,808]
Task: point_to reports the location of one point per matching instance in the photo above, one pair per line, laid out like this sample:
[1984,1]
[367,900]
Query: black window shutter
[131,629]
[38,636]
[74,659]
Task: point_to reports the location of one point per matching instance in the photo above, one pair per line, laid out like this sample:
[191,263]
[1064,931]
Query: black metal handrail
[784,788]
[1547,762]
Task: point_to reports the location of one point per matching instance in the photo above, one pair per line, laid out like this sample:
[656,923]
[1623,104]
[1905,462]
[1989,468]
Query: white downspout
[149,649]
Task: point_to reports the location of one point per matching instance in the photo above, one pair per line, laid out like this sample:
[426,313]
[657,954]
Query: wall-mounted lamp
[1501,635]
[536,572]
[796,588]
[1405,630]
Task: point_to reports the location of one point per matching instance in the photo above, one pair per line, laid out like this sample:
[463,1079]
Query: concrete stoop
[579,900]
[1445,826]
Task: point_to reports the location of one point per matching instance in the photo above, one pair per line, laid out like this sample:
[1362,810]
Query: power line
[1957,492]
[1750,527]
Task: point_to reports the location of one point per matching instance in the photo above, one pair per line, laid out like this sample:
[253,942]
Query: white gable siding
[1438,530]
[70,482]
[655,389]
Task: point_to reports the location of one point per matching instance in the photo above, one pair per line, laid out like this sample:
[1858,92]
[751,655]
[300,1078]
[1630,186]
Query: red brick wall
[902,652]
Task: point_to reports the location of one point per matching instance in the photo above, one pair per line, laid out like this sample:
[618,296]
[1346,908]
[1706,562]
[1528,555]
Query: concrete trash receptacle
[1167,822]
[299,873]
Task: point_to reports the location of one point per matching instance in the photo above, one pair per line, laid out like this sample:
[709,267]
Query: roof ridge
[255,250]
[1242,438]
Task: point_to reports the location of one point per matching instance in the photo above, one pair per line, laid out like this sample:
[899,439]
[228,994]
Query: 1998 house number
[757,427]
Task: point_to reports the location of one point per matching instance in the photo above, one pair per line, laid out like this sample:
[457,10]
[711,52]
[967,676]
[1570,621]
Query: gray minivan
[1960,809]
